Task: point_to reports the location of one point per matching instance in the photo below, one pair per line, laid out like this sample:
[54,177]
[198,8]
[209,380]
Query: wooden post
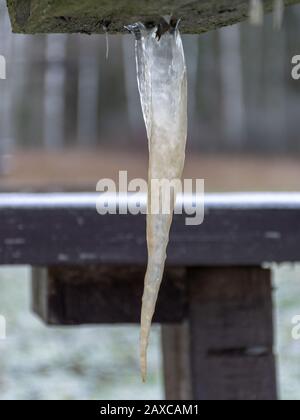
[176,361]
[229,339]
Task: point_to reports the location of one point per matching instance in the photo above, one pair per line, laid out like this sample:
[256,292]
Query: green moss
[69,16]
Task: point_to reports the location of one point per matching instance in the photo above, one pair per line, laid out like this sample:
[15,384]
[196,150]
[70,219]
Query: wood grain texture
[89,16]
[176,362]
[231,334]
[65,229]
[100,295]
[220,346]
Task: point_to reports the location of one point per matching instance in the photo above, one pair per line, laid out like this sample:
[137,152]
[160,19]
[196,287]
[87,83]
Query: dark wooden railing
[239,229]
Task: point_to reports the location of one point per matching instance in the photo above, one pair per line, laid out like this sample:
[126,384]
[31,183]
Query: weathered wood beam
[227,352]
[176,361]
[60,229]
[103,295]
[220,346]
[90,16]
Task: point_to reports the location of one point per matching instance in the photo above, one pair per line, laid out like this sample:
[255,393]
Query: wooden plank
[231,334]
[176,362]
[65,229]
[100,295]
[90,16]
[225,350]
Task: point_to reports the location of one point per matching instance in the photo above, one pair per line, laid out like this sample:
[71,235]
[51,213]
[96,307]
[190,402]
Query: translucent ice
[162,82]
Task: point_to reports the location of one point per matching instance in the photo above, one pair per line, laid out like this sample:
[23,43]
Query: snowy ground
[287,302]
[102,363]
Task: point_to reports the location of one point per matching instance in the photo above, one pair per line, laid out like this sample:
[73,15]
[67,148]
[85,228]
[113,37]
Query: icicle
[105,29]
[278,14]
[256,12]
[162,83]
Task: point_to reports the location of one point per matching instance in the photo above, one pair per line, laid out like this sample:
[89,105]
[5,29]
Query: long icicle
[162,82]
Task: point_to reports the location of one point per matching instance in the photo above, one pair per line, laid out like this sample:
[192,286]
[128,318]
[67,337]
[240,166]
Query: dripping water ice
[105,29]
[162,83]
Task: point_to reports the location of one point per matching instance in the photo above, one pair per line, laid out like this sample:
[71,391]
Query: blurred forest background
[63,101]
[68,116]
[61,90]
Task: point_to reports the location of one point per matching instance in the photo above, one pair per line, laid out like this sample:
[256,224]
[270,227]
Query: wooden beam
[230,338]
[90,16]
[103,295]
[176,362]
[221,344]
[59,229]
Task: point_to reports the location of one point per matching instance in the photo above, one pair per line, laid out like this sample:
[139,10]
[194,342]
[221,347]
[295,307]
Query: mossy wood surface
[92,16]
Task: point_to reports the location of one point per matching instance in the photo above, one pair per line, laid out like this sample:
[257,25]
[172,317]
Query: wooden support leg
[229,338]
[176,361]
[221,346]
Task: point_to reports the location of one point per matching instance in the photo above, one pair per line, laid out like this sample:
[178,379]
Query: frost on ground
[38,362]
[287,306]
[162,82]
